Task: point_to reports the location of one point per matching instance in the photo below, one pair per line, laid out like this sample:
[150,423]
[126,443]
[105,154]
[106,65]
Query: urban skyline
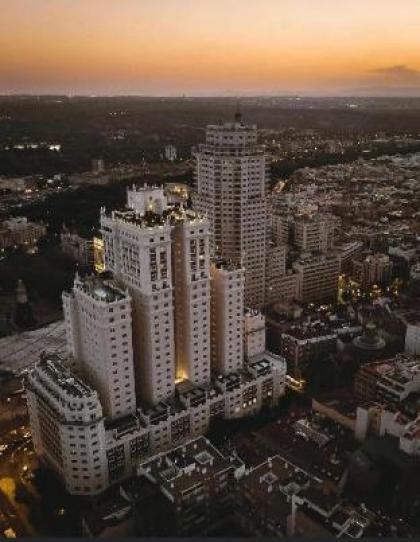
[210,269]
[219,344]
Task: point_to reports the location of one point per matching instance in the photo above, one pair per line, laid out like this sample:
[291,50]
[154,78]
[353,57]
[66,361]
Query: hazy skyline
[210,47]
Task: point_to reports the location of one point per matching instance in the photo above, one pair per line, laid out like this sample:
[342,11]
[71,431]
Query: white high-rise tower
[162,255]
[231,188]
[138,251]
[99,338]
[156,352]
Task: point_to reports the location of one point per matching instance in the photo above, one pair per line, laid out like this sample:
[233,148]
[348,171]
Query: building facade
[138,253]
[373,269]
[314,233]
[99,334]
[227,316]
[412,338]
[67,426]
[317,277]
[231,190]
[156,349]
[19,232]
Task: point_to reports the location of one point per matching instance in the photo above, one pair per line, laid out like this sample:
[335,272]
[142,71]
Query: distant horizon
[232,96]
[211,47]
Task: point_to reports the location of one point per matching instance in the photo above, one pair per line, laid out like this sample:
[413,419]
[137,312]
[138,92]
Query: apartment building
[231,180]
[278,499]
[314,233]
[390,381]
[373,269]
[161,349]
[197,481]
[67,426]
[254,333]
[78,248]
[99,334]
[317,277]
[304,345]
[191,268]
[19,232]
[412,336]
[281,282]
[347,252]
[137,246]
[124,442]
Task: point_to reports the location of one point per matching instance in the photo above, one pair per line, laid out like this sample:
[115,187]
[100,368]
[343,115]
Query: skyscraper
[98,327]
[163,257]
[156,352]
[138,252]
[231,187]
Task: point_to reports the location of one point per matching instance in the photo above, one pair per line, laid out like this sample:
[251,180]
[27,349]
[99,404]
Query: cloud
[399,73]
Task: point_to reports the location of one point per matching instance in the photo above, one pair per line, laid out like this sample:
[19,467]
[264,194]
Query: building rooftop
[316,446]
[149,219]
[309,330]
[123,426]
[111,509]
[56,369]
[156,215]
[187,466]
[225,264]
[259,366]
[100,289]
[402,368]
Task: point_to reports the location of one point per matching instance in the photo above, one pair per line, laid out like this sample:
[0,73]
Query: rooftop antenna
[238,114]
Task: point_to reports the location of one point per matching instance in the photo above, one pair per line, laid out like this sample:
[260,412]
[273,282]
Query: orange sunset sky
[210,47]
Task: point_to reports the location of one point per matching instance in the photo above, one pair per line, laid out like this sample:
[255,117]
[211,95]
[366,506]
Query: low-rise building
[198,482]
[388,381]
[18,232]
[278,499]
[379,419]
[304,344]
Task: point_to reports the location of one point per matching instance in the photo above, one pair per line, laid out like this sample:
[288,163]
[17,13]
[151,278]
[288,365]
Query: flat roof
[188,465]
[54,367]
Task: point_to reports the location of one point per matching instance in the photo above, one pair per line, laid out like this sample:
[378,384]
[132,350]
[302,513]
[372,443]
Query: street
[17,461]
